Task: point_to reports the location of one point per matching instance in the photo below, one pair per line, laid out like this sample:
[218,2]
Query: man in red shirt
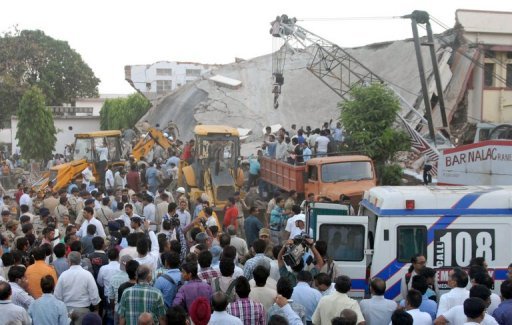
[188,151]
[133,179]
[231,215]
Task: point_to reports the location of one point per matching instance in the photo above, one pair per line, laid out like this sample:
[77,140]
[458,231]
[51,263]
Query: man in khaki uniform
[10,233]
[51,201]
[61,209]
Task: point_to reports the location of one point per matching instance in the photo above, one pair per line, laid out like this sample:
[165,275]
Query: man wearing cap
[265,235]
[10,233]
[6,217]
[295,224]
[181,195]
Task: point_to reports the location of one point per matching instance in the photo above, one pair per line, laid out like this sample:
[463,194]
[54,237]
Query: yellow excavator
[152,138]
[215,165]
[85,153]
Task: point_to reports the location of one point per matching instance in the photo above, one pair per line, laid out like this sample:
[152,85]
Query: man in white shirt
[146,257]
[377,309]
[87,175]
[456,314]
[90,220]
[26,199]
[183,214]
[412,305]
[76,288]
[109,179]
[281,148]
[292,228]
[457,280]
[149,211]
[107,271]
[220,315]
[127,216]
[321,143]
[11,313]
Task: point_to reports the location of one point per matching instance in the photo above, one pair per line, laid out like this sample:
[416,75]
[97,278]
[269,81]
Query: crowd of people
[133,248]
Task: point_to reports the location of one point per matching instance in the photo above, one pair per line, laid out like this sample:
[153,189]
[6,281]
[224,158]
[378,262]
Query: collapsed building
[474,59]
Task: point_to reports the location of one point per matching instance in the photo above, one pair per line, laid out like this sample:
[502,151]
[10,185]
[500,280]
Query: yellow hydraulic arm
[145,144]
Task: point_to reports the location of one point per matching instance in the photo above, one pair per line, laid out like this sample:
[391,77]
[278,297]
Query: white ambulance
[449,225]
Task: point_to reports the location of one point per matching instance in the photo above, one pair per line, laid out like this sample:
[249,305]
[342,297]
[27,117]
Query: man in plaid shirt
[207,273]
[141,298]
[249,311]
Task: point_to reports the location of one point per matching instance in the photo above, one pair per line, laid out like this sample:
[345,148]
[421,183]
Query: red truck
[325,177]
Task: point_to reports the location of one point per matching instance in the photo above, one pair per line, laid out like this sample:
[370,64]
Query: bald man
[145,319]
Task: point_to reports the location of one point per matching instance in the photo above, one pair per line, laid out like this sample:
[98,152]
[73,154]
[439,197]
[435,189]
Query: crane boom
[341,72]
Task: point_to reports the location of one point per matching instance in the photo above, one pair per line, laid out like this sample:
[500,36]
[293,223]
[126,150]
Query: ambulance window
[411,240]
[346,241]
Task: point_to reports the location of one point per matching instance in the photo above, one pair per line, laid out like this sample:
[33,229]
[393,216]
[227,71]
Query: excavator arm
[152,138]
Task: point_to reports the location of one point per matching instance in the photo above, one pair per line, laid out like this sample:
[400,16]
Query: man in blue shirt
[48,310]
[503,314]
[276,221]
[429,306]
[304,295]
[252,226]
[254,172]
[169,282]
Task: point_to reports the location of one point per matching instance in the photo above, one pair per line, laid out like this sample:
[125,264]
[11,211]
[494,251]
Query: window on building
[163,86]
[489,74]
[346,242]
[164,72]
[193,72]
[490,54]
[411,240]
[509,75]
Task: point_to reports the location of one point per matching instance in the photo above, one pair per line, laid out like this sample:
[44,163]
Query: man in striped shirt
[249,311]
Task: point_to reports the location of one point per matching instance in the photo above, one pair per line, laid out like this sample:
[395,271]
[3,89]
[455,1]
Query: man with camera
[292,255]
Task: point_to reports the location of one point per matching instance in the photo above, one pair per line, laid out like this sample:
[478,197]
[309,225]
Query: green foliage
[29,58]
[369,120]
[390,174]
[36,131]
[121,113]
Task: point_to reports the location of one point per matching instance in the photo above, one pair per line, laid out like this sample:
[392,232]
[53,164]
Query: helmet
[180,190]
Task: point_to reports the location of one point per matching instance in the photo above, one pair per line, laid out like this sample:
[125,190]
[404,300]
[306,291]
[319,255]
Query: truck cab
[325,177]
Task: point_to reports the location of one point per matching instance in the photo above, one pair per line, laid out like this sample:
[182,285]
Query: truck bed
[285,176]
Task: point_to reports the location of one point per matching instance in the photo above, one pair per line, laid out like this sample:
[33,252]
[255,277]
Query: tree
[31,58]
[122,113]
[369,120]
[36,131]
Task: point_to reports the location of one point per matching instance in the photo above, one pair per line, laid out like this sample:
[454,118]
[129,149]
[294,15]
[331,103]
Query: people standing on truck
[271,146]
[321,144]
[277,219]
[337,134]
[418,262]
[296,154]
[306,152]
[312,138]
[345,200]
[281,148]
[254,172]
[427,167]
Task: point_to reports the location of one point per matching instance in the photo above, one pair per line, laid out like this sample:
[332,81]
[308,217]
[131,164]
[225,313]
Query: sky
[110,34]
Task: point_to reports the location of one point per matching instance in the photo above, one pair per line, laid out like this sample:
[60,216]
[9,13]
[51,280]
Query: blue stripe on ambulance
[442,223]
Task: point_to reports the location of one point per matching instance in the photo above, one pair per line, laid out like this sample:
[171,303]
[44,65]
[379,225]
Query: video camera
[295,251]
